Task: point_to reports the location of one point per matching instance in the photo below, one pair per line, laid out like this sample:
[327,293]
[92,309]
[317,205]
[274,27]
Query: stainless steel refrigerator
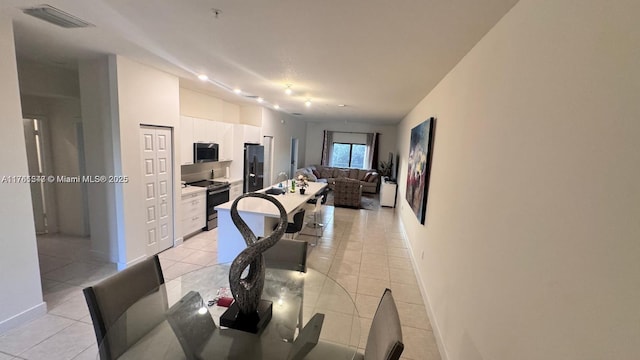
[253,167]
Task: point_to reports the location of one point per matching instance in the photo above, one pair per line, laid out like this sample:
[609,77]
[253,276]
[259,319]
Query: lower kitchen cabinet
[235,190]
[194,210]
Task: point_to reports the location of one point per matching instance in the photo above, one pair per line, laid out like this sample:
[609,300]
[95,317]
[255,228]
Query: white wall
[388,137]
[282,134]
[150,97]
[99,117]
[21,295]
[531,238]
[199,105]
[62,116]
[42,80]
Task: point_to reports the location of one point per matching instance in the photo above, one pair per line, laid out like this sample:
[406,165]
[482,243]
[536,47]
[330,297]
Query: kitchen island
[261,216]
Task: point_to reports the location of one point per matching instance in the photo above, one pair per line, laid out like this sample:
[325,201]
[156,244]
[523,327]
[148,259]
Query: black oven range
[217,193]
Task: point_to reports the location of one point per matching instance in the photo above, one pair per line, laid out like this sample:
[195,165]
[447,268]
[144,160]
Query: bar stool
[296,225]
[316,217]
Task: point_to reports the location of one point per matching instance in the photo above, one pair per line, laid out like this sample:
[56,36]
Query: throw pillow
[311,177]
[315,173]
[367,177]
[373,177]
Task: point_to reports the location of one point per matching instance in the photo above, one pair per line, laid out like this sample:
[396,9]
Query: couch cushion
[354,174]
[361,174]
[326,173]
[340,173]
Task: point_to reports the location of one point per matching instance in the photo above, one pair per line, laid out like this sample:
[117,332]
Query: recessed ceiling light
[341,105]
[276,106]
[237,91]
[308,103]
[288,90]
[260,99]
[203,77]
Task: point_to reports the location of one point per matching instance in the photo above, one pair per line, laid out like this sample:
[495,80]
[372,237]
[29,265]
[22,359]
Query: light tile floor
[363,250]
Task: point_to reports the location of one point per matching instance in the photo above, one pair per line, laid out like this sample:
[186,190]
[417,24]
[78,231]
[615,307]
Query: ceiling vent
[57,17]
[296,114]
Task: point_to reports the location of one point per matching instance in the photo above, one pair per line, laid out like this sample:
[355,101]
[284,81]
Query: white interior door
[157,165]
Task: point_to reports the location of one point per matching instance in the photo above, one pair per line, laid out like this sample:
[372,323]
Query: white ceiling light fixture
[203,77]
[259,99]
[341,105]
[276,106]
[237,91]
[288,90]
[307,103]
[57,17]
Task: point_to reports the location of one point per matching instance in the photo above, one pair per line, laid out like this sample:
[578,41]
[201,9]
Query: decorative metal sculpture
[247,291]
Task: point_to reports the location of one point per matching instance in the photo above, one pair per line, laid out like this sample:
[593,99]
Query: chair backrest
[385,337]
[111,297]
[191,326]
[287,254]
[298,220]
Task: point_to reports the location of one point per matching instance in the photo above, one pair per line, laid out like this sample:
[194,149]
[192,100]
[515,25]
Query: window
[348,155]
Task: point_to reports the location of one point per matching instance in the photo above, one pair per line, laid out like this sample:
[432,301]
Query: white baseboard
[122,266]
[23,317]
[425,297]
[178,241]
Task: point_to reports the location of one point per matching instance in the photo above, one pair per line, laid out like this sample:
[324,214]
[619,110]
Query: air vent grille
[56,16]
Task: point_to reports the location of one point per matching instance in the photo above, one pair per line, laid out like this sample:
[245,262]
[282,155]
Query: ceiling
[378,57]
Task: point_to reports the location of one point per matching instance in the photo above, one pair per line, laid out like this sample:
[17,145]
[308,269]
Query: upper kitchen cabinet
[186,140]
[248,134]
[195,130]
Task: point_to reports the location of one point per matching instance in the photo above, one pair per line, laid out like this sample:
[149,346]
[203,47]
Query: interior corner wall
[98,118]
[282,134]
[21,295]
[146,96]
[315,135]
[531,237]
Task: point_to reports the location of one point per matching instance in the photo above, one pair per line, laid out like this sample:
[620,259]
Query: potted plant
[301,183]
[385,168]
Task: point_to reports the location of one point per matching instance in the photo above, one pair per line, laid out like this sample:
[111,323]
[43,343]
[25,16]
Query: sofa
[369,179]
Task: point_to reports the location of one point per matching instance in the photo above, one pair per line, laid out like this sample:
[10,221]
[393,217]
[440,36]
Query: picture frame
[419,167]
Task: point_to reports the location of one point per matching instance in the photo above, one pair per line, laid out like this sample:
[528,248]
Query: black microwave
[205,152]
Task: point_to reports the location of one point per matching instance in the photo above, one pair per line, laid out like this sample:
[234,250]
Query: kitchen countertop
[290,201]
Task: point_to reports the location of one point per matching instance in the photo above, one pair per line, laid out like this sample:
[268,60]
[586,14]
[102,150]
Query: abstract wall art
[419,167]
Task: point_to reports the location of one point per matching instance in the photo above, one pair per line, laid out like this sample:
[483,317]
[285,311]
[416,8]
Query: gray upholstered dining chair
[109,299]
[384,341]
[288,255]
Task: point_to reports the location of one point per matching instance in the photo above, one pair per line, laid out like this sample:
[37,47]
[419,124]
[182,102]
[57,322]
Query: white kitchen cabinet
[235,190]
[226,141]
[388,192]
[186,140]
[194,210]
[244,133]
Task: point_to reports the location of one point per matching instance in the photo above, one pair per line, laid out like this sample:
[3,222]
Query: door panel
[157,160]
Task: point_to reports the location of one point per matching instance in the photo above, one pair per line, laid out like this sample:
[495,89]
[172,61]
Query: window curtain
[371,160]
[327,148]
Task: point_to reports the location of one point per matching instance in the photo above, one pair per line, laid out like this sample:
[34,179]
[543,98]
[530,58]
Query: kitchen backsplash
[195,172]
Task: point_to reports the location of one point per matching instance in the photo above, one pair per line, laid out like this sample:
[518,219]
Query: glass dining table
[178,320]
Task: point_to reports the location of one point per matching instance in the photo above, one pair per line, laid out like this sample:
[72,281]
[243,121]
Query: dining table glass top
[179,321]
